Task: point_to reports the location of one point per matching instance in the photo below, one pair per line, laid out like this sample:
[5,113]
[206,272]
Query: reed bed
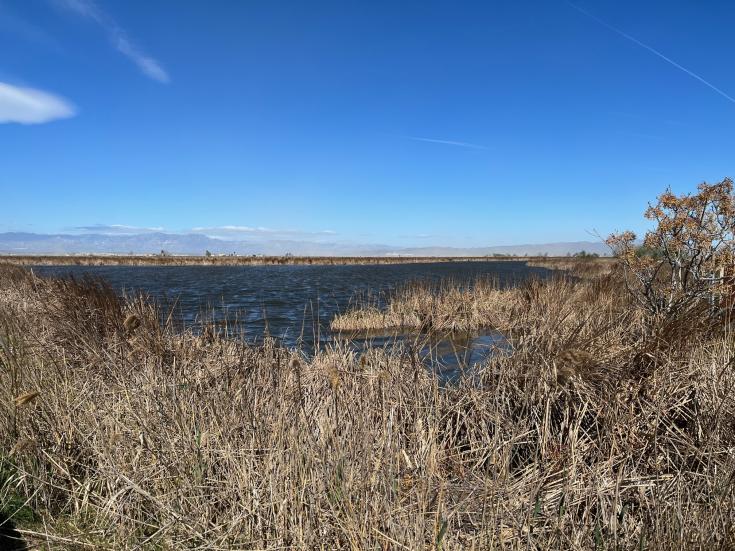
[447,307]
[485,303]
[580,267]
[596,432]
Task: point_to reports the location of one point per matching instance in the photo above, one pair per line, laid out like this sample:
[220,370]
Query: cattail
[407,482]
[131,323]
[209,334]
[24,399]
[334,376]
[564,373]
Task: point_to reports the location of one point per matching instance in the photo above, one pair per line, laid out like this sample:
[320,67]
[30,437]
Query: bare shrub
[680,259]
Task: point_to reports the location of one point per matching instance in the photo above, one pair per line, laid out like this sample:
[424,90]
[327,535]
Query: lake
[296,303]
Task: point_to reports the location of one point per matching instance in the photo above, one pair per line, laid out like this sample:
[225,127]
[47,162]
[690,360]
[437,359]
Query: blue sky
[404,123]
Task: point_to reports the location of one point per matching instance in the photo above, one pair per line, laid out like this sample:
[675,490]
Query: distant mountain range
[18,243]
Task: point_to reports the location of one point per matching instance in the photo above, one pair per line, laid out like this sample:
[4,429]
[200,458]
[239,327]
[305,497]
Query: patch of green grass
[12,505]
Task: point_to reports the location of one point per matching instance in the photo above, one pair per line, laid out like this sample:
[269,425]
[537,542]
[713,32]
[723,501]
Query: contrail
[448,142]
[652,50]
[118,37]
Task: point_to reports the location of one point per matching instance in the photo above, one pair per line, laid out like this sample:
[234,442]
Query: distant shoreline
[143,260]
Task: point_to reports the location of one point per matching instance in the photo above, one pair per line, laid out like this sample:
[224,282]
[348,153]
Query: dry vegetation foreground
[601,430]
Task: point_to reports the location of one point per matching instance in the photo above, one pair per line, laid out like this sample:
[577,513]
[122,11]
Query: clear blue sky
[305,116]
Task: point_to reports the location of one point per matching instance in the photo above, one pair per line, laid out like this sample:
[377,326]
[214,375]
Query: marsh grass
[594,433]
[585,267]
[424,307]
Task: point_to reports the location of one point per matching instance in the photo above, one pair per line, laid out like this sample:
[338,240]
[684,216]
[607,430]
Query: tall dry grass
[444,307]
[579,266]
[595,433]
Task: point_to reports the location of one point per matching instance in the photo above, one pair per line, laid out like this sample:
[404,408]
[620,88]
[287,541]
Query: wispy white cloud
[115,229]
[118,37]
[229,232]
[31,106]
[233,232]
[147,64]
[447,142]
[653,51]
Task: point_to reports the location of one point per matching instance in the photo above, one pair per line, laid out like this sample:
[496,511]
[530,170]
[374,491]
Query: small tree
[679,260]
[584,255]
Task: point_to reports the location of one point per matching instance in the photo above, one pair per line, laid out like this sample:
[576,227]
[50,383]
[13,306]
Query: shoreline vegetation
[172,260]
[607,423]
[598,430]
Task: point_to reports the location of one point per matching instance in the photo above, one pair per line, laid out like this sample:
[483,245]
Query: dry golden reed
[589,432]
[131,323]
[25,398]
